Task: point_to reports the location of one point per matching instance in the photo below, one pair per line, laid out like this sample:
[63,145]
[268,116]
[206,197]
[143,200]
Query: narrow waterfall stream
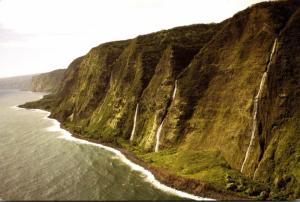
[134,122]
[161,125]
[158,137]
[256,100]
[174,92]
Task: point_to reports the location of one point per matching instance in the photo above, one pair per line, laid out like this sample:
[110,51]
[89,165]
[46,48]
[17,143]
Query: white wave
[15,108]
[55,126]
[149,177]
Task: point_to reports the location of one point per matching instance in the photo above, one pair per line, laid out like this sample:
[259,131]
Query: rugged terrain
[45,82]
[16,82]
[219,102]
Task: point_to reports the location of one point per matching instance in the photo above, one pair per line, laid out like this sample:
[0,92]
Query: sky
[42,35]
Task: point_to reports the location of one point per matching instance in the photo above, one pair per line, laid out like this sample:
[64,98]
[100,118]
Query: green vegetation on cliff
[207,127]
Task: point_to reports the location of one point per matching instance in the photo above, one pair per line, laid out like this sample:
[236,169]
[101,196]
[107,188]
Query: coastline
[190,186]
[130,161]
[160,179]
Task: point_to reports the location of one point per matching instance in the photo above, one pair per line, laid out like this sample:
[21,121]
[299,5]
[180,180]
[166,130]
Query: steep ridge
[17,82]
[219,96]
[47,82]
[280,121]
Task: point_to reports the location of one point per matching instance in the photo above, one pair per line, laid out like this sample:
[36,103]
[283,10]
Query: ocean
[41,161]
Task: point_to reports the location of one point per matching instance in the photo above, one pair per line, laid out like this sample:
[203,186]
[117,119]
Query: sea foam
[16,108]
[149,177]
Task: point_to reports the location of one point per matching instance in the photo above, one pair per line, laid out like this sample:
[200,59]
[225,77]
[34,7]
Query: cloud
[47,34]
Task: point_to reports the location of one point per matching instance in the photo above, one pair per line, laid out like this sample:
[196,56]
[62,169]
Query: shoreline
[185,188]
[186,185]
[123,155]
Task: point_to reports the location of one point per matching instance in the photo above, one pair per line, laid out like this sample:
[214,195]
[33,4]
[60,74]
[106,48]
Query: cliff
[17,82]
[47,82]
[215,103]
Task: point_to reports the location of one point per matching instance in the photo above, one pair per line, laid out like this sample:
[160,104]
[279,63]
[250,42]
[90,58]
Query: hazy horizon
[41,36]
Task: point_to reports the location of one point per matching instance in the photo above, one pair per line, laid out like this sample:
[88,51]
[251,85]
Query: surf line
[149,177]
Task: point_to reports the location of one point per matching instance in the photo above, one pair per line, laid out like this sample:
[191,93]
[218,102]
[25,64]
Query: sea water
[36,163]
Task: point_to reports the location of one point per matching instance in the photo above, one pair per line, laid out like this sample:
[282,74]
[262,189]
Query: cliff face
[280,115]
[221,98]
[47,82]
[17,82]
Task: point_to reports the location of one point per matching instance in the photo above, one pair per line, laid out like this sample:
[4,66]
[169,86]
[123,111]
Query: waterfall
[158,136]
[134,122]
[175,89]
[256,100]
[272,53]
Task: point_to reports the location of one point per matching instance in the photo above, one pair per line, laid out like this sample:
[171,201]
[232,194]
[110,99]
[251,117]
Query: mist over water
[37,165]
